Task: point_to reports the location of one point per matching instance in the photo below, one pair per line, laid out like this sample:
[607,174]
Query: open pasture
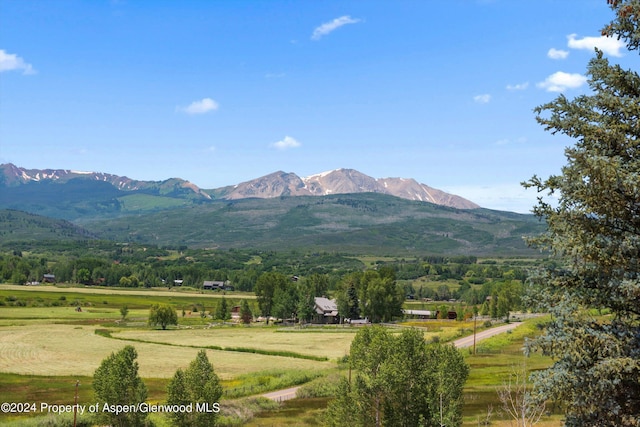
[331,344]
[78,350]
[44,347]
[43,296]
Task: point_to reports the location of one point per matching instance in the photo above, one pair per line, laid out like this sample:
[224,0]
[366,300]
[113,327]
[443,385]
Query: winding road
[290,393]
[468,341]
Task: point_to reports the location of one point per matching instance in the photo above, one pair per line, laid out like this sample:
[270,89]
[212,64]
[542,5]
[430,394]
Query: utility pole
[75,406]
[475,319]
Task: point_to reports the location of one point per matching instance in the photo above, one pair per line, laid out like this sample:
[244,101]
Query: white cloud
[609,45]
[557,53]
[11,62]
[561,81]
[519,86]
[328,27]
[286,143]
[482,99]
[200,107]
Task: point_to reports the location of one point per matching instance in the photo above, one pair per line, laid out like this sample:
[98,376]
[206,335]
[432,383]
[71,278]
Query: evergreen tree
[595,228]
[224,313]
[245,312]
[370,294]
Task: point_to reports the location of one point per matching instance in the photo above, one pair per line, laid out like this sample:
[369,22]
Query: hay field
[331,344]
[175,292]
[77,350]
[66,313]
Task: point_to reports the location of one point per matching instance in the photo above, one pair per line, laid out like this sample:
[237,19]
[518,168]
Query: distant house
[235,313]
[451,315]
[419,314]
[326,310]
[210,285]
[216,285]
[178,282]
[49,278]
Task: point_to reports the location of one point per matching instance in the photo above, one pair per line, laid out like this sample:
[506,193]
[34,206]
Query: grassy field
[45,349]
[41,296]
[331,344]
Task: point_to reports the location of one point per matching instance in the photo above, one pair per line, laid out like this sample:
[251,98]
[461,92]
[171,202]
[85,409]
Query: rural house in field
[49,278]
[210,285]
[419,314]
[216,285]
[326,310]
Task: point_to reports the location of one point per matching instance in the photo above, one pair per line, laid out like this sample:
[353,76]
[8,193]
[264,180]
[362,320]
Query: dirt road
[282,395]
[290,393]
[468,341]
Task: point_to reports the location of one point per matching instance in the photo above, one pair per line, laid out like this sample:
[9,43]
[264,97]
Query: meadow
[45,349]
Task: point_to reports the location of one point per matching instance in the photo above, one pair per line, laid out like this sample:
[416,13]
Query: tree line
[112,264]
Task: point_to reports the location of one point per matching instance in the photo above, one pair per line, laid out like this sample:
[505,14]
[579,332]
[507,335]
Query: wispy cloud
[482,99]
[561,81]
[518,86]
[331,26]
[554,53]
[199,107]
[286,143]
[609,45]
[12,62]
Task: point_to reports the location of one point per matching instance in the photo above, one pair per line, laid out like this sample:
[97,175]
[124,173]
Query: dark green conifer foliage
[595,229]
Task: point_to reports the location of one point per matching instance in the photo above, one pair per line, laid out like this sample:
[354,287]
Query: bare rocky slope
[277,184]
[341,181]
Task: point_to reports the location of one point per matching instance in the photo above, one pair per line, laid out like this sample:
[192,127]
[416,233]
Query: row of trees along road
[595,228]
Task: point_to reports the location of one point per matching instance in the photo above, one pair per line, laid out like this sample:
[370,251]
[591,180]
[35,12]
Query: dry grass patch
[77,350]
[332,345]
[175,292]
[67,313]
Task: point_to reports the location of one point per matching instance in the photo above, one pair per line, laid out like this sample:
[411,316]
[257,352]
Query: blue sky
[221,92]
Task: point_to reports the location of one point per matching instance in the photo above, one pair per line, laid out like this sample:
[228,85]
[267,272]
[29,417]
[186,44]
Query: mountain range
[277,184]
[339,211]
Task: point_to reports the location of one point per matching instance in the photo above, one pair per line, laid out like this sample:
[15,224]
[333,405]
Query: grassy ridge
[356,223]
[367,223]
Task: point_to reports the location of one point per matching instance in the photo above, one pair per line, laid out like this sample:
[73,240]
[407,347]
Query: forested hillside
[355,223]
